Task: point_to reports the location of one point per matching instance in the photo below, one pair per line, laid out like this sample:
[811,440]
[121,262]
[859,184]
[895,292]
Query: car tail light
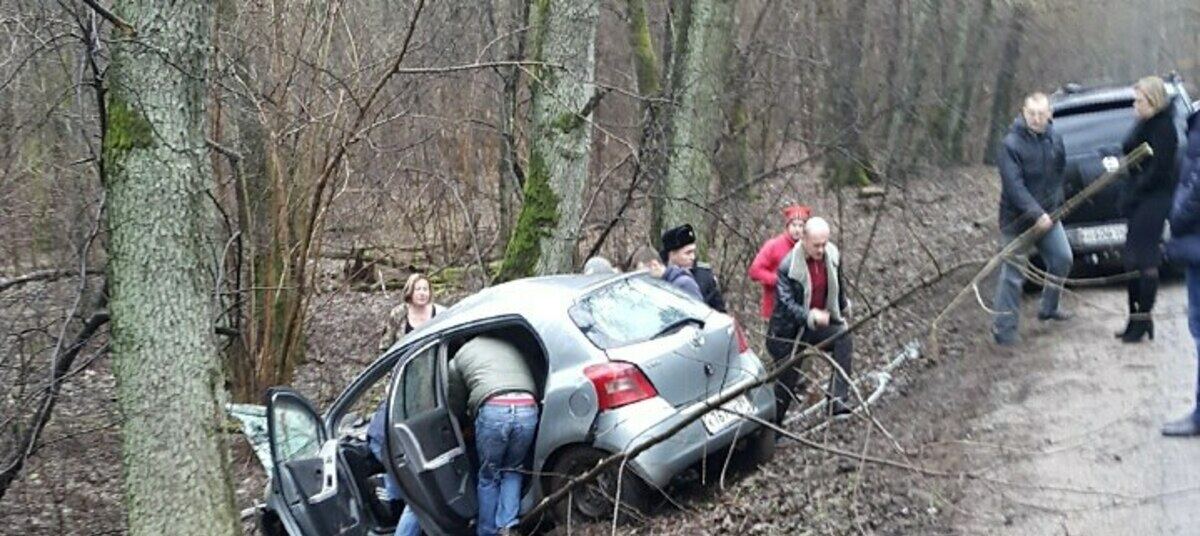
[618,384]
[743,344]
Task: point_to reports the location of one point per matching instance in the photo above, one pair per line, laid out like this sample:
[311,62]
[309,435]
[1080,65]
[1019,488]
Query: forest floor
[1057,436]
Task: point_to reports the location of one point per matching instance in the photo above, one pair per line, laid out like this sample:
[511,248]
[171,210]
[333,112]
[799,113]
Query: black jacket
[790,317]
[1185,209]
[1031,175]
[1155,175]
[708,286]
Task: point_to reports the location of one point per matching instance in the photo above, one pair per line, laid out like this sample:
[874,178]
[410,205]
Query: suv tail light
[743,344]
[618,384]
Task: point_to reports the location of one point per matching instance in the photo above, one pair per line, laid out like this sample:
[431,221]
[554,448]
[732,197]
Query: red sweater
[763,269]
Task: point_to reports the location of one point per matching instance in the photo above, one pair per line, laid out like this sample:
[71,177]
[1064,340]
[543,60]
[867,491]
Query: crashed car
[617,360]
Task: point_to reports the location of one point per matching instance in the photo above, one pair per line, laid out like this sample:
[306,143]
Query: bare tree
[160,224]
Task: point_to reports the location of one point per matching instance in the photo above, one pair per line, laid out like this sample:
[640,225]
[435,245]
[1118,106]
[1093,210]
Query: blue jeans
[1193,289]
[407,526]
[1056,254]
[503,437]
[375,439]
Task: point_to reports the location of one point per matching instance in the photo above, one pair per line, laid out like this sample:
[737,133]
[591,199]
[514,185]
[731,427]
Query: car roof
[1088,97]
[537,299]
[1065,100]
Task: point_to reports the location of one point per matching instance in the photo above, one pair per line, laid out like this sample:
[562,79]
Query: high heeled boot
[1143,324]
[1132,291]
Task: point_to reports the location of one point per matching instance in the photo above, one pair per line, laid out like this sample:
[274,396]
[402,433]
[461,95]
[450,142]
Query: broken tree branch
[1027,238]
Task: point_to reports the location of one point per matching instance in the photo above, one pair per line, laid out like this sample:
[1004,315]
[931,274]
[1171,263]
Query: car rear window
[1101,128]
[632,310]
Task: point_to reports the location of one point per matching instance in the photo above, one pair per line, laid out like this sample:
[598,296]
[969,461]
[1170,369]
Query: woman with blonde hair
[418,308]
[1146,201]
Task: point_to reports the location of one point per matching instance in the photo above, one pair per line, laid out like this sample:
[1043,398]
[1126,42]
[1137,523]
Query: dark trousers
[841,348]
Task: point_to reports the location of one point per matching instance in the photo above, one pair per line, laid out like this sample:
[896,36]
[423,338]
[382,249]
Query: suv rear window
[632,310]
[1103,128]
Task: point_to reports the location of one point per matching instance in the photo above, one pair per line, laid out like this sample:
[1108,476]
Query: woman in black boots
[1146,201]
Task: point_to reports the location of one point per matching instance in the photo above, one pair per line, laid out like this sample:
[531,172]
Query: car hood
[253,419]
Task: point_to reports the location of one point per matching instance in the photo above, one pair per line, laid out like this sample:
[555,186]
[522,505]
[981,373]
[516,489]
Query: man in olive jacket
[810,308]
[489,380]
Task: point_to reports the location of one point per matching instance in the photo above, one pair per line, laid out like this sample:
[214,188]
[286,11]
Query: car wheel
[759,447]
[594,501]
[269,524]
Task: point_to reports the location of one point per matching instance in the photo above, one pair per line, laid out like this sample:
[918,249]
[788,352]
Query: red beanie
[796,211]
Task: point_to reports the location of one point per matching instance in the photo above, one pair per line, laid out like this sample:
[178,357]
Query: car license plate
[1103,235]
[717,420]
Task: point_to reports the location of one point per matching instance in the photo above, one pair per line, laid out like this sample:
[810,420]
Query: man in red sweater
[762,270]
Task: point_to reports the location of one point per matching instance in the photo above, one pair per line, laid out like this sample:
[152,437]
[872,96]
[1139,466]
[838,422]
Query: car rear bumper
[627,427]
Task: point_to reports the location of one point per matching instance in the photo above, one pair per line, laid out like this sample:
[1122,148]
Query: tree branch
[120,23]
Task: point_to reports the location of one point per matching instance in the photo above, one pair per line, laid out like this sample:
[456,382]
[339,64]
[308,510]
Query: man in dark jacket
[1031,161]
[679,249]
[646,258]
[810,309]
[1185,247]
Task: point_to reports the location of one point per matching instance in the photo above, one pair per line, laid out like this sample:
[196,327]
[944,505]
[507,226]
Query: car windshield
[633,310]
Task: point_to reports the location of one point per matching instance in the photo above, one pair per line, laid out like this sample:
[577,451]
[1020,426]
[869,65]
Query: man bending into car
[489,381]
[810,309]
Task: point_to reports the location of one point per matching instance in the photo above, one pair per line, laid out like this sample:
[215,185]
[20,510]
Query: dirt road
[1070,442]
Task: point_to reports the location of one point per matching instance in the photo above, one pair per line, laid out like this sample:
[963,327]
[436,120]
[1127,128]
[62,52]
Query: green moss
[567,122]
[127,129]
[539,215]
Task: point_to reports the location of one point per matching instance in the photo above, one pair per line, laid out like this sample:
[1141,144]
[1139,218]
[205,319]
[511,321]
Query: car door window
[296,433]
[418,386]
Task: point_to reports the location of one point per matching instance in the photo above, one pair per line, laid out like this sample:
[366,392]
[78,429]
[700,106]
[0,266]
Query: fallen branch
[1027,238]
[52,274]
[695,412]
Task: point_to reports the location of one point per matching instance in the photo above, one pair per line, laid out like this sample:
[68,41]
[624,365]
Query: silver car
[618,359]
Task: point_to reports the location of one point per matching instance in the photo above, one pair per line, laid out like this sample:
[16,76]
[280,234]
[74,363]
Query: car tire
[269,524]
[594,501]
[759,447]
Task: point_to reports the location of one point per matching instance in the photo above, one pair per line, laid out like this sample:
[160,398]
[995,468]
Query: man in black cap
[679,249]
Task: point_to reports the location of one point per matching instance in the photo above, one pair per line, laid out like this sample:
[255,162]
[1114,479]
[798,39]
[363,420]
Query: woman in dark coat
[1146,202]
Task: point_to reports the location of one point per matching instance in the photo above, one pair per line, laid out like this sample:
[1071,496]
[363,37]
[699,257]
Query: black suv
[1093,122]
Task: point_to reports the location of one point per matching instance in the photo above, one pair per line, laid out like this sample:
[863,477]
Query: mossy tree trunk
[547,231]
[652,146]
[160,223]
[702,69]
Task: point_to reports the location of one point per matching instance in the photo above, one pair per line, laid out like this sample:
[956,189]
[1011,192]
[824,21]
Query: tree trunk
[851,164]
[160,220]
[513,15]
[703,64]
[1005,94]
[970,85]
[548,226]
[651,166]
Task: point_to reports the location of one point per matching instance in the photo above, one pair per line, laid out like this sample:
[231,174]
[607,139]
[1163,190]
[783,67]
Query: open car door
[425,445]
[309,475]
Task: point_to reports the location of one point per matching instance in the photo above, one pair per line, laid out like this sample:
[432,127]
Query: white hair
[816,224]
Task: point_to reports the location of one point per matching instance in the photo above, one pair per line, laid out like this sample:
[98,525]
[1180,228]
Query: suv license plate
[717,420]
[1104,235]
